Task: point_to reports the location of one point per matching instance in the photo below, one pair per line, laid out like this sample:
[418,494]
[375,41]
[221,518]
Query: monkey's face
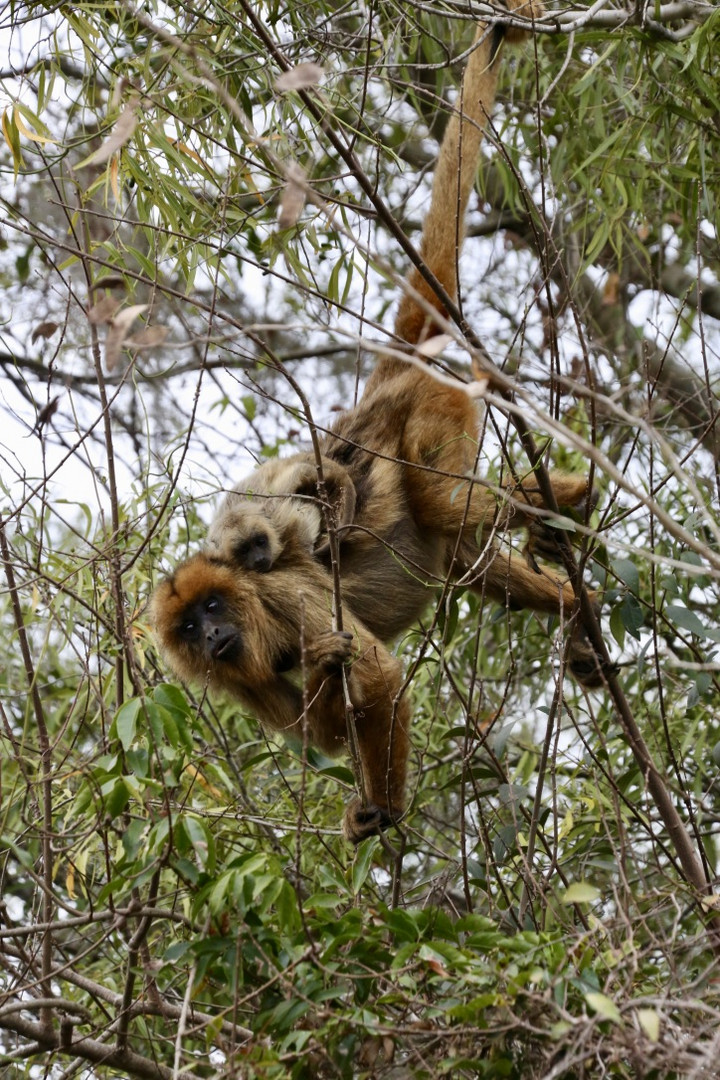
[243,537]
[211,624]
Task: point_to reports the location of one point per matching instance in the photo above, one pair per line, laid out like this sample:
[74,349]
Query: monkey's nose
[224,644]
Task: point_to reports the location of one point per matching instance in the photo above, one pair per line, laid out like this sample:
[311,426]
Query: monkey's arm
[381,720]
[279,704]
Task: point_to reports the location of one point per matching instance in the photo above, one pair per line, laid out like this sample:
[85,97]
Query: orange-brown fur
[409,448]
[454,176]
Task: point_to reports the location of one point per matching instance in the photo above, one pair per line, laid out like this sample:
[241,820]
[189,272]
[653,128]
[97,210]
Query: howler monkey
[410,514]
[415,514]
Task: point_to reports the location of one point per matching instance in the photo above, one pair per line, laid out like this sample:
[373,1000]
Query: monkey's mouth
[227,648]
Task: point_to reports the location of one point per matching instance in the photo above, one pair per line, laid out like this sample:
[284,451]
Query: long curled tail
[444,226]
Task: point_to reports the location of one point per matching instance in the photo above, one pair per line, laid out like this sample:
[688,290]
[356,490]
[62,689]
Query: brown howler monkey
[411,515]
[266,639]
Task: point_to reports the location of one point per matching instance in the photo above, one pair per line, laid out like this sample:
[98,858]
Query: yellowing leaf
[603,1006]
[70,881]
[193,772]
[22,127]
[580,892]
[185,149]
[649,1020]
[114,170]
[12,138]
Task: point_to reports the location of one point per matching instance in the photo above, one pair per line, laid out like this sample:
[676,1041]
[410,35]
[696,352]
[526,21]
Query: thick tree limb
[64,1042]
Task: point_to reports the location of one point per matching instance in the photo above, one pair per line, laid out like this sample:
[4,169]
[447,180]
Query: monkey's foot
[587,667]
[330,650]
[361,821]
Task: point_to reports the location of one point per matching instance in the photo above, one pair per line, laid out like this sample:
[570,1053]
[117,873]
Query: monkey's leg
[444,503]
[440,439]
[508,580]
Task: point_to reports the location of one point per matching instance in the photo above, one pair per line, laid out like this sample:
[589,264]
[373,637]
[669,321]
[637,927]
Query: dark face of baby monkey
[249,540]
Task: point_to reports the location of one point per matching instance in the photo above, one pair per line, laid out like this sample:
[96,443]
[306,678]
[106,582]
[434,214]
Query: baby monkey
[251,525]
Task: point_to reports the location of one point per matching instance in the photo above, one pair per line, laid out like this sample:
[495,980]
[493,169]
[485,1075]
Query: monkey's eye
[261,540]
[212,605]
[188,628]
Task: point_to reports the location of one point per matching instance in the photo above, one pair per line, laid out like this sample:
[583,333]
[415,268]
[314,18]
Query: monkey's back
[391,553]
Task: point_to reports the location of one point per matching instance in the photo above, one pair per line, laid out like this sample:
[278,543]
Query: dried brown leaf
[110,281]
[122,131]
[148,338]
[44,330]
[611,292]
[292,200]
[46,414]
[118,333]
[103,311]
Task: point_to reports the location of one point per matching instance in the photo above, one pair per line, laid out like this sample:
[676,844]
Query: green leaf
[564,524]
[339,772]
[173,699]
[201,841]
[125,724]
[363,862]
[632,615]
[116,799]
[617,627]
[603,1006]
[685,619]
[402,924]
[627,572]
